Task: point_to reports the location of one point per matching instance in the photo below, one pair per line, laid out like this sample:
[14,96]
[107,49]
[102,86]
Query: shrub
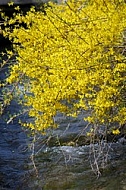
[71,58]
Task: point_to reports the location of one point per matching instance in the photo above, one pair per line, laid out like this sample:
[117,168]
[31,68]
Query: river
[46,165]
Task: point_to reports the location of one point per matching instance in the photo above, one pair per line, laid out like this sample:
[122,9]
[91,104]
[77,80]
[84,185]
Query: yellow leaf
[116,131]
[10,3]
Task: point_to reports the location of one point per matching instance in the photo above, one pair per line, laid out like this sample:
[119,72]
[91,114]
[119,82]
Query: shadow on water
[58,167]
[14,152]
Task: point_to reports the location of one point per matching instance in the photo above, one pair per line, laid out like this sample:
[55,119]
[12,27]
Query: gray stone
[21,2]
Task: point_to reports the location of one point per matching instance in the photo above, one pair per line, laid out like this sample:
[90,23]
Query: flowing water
[57,167]
[68,168]
[49,165]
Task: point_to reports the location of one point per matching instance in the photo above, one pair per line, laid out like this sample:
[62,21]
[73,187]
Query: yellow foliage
[11,3]
[115,131]
[71,60]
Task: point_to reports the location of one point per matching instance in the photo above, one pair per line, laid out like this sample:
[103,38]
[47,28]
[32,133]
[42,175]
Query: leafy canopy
[70,58]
